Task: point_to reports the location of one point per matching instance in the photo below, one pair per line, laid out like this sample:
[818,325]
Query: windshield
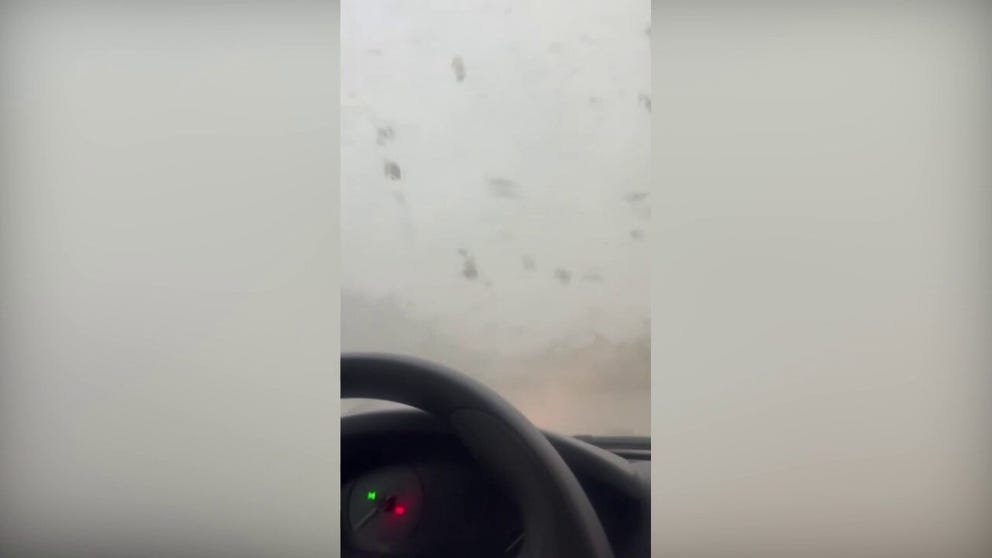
[495,177]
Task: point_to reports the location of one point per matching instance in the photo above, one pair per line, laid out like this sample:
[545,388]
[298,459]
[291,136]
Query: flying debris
[503,188]
[470,270]
[458,65]
[392,171]
[645,100]
[384,135]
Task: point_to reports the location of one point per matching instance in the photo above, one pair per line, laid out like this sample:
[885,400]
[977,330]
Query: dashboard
[411,490]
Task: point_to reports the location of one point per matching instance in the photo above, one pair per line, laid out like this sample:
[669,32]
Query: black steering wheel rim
[559,521]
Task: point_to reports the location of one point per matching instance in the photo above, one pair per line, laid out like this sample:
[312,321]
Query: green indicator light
[370,496]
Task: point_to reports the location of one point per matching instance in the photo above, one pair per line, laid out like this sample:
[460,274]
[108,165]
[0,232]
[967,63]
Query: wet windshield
[495,177]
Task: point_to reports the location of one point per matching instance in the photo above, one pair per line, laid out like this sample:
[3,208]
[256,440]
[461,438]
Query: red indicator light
[399,510]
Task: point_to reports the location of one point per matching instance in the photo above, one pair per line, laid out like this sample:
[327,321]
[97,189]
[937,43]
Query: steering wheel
[557,517]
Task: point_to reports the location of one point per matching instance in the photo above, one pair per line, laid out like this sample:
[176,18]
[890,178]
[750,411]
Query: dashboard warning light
[399,510]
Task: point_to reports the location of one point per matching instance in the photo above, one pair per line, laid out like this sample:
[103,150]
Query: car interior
[463,473]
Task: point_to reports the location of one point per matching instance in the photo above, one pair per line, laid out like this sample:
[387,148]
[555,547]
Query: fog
[168,343]
[495,206]
[822,255]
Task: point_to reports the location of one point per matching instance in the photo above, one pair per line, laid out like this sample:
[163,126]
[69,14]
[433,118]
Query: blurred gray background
[821,324]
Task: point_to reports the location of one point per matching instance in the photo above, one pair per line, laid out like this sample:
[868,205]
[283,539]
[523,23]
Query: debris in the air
[384,134]
[469,270]
[563,275]
[635,197]
[503,188]
[392,170]
[637,234]
[529,263]
[645,100]
[458,65]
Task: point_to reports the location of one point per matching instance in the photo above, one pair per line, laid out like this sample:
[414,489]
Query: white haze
[168,332]
[495,170]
